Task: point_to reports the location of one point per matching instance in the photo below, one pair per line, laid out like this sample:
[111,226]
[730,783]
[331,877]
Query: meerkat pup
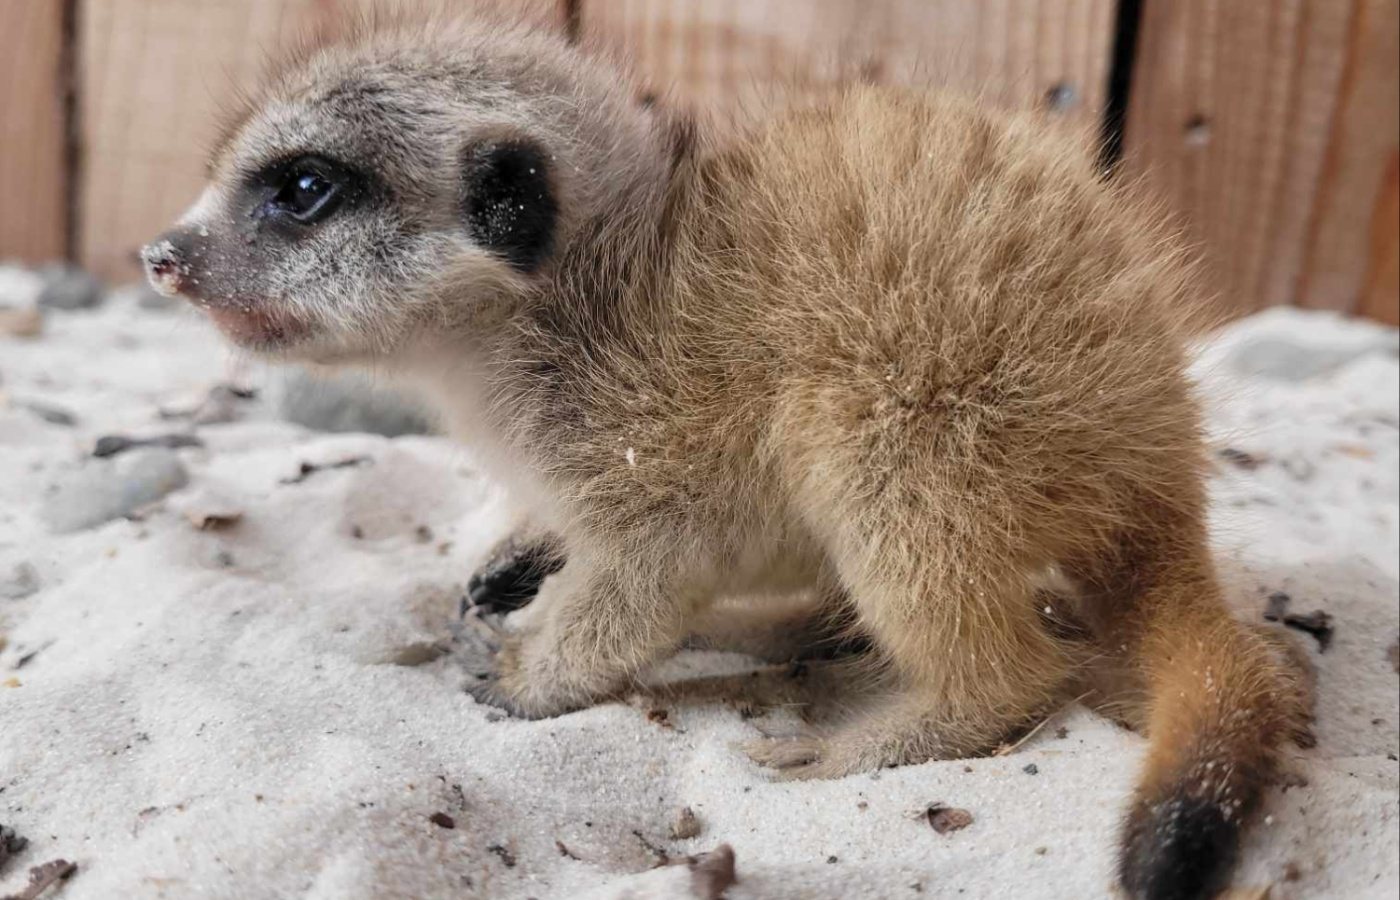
[898,349]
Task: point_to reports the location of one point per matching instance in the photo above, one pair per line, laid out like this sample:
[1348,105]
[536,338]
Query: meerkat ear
[508,201]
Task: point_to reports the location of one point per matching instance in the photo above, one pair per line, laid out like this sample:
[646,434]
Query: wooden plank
[725,55]
[1380,294]
[33,219]
[153,75]
[1351,234]
[1267,127]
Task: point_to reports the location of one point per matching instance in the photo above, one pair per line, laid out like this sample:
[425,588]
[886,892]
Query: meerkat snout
[163,263]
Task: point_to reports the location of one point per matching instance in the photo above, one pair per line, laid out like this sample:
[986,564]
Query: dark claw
[486,690]
[512,578]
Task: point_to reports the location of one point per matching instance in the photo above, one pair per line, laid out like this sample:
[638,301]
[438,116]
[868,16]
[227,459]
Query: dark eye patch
[508,202]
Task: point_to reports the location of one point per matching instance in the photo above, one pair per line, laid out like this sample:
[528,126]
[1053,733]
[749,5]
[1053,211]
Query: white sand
[225,713]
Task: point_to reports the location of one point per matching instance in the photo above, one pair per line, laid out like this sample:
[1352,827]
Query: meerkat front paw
[514,572]
[508,687]
[533,679]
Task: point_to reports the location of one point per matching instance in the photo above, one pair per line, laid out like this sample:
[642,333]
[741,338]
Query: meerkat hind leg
[963,660]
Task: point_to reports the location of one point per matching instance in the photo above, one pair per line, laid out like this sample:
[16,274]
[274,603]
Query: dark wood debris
[507,858]
[944,819]
[11,844]
[1247,461]
[1316,623]
[1278,607]
[711,874]
[306,470]
[41,878]
[112,444]
[662,857]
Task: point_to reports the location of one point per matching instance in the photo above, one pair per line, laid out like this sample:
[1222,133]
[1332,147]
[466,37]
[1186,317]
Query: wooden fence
[1270,126]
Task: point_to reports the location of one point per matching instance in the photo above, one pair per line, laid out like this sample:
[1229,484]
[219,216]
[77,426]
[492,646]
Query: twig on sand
[662,857]
[307,469]
[41,878]
[1316,623]
[112,444]
[1008,749]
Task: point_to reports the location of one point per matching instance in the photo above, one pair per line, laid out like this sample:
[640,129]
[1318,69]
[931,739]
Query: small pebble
[442,820]
[1031,769]
[68,287]
[348,403]
[104,490]
[54,415]
[22,582]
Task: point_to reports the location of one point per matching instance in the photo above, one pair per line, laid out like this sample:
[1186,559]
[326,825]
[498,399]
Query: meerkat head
[407,179]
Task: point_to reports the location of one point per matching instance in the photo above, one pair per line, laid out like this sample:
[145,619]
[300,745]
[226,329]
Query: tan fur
[898,349]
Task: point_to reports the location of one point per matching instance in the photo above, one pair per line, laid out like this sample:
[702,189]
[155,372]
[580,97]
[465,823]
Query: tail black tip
[1178,849]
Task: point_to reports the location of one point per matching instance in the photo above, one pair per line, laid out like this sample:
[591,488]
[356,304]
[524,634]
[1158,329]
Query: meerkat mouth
[254,327]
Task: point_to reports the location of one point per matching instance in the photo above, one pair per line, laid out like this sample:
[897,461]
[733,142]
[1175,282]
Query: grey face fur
[416,182]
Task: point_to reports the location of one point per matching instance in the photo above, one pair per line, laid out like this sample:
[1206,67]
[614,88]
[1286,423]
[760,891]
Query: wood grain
[721,55]
[1355,227]
[153,75]
[32,159]
[1380,295]
[1267,128]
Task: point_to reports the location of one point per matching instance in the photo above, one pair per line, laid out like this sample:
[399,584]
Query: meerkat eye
[307,192]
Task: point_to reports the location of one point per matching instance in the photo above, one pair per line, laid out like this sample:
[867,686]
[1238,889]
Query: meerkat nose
[165,266]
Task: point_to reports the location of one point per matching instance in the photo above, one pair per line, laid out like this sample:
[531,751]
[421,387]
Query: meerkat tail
[1222,697]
